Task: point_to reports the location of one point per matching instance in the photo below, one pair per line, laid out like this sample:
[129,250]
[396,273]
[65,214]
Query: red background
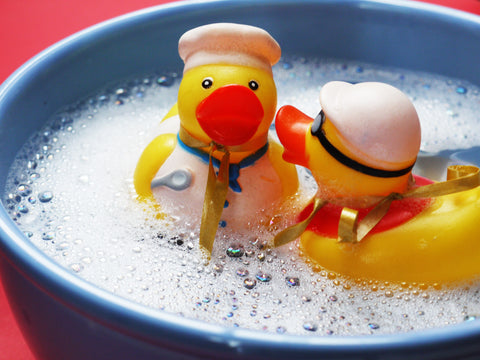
[29,26]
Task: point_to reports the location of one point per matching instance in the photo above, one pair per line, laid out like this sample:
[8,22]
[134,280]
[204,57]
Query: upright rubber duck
[378,220]
[226,104]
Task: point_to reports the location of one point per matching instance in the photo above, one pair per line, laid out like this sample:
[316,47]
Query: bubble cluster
[70,191]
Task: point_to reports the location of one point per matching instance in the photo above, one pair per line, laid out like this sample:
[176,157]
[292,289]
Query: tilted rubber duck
[361,146]
[374,219]
[226,104]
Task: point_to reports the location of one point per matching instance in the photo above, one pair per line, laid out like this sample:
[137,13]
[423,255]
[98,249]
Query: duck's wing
[171,113]
[150,161]
[286,171]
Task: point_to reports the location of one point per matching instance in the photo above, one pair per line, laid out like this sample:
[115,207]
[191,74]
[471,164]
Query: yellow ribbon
[459,178]
[215,192]
[347,226]
[294,231]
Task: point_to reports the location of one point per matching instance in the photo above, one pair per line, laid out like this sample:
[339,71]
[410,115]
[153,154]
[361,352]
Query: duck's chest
[179,187]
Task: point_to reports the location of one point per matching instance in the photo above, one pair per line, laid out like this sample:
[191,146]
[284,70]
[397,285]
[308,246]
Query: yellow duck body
[437,245]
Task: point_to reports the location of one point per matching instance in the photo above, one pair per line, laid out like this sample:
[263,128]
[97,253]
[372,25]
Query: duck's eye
[207,83]
[252,84]
[317,124]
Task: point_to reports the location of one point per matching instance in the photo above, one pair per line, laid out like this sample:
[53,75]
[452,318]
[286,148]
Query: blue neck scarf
[234,169]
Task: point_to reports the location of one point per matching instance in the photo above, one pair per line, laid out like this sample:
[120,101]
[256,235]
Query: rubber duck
[225,106]
[361,149]
[361,146]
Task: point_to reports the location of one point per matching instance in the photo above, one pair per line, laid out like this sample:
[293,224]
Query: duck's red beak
[292,126]
[230,115]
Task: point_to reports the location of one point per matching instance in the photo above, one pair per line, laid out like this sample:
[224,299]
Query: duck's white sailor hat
[376,122]
[226,43]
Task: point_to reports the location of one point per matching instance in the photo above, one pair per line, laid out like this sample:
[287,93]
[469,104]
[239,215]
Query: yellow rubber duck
[361,149]
[226,104]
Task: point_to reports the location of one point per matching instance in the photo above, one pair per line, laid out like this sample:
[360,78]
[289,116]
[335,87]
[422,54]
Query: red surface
[29,26]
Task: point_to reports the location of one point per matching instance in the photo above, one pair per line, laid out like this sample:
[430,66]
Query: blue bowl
[63,316]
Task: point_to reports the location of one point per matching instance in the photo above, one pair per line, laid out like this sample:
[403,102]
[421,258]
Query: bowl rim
[144,322]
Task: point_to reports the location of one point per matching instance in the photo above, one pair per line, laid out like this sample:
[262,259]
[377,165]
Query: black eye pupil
[207,83]
[253,85]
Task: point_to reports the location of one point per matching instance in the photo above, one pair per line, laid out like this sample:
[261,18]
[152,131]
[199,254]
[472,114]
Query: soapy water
[70,190]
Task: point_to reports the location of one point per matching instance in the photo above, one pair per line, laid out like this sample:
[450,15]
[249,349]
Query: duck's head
[227,94]
[361,146]
[229,104]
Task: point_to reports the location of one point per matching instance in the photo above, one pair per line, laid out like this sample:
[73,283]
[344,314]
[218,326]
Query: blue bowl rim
[144,322]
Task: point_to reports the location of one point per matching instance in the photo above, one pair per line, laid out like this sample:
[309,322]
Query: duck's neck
[237,153]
